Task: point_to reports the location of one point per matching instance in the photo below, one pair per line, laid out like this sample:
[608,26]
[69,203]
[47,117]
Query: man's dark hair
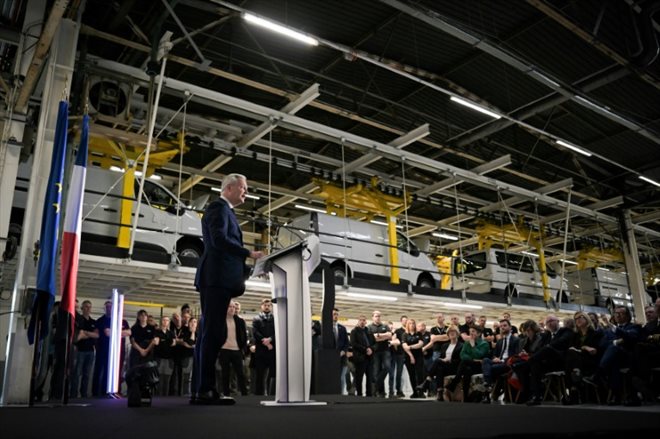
[476,328]
[508,322]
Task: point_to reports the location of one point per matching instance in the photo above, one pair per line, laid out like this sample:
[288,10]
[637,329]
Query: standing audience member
[163,353]
[263,330]
[85,340]
[398,359]
[188,347]
[362,342]
[142,340]
[231,354]
[341,345]
[381,361]
[412,345]
[180,354]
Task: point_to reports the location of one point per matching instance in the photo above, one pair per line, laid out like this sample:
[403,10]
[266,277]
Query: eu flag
[45,296]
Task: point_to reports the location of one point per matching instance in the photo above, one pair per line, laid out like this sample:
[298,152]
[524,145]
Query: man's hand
[369,351]
[256,254]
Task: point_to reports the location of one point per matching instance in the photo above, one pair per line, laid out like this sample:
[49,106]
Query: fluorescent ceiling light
[216,189]
[155,177]
[381,223]
[116,169]
[573,147]
[257,284]
[372,297]
[565,261]
[459,305]
[602,269]
[278,28]
[311,209]
[253,197]
[445,236]
[530,254]
[475,107]
[648,180]
[138,173]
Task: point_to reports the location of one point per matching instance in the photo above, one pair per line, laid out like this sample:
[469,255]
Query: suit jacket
[456,354]
[342,338]
[222,264]
[241,333]
[561,341]
[630,333]
[513,348]
[651,328]
[361,339]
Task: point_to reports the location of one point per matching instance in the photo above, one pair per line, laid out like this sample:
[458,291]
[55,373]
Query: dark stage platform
[344,416]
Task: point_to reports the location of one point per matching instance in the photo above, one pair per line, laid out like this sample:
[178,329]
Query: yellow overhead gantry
[592,257]
[364,202]
[106,152]
[509,234]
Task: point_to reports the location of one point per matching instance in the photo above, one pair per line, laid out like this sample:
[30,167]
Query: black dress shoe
[534,401]
[211,398]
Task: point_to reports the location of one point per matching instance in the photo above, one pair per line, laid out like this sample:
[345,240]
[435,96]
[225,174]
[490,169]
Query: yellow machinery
[509,234]
[594,257]
[653,275]
[107,152]
[444,267]
[364,202]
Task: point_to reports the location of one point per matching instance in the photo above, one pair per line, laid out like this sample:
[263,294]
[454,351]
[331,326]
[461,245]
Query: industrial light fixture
[278,28]
[565,261]
[445,236]
[459,305]
[602,269]
[381,223]
[311,209]
[155,177]
[530,254]
[253,197]
[573,147]
[648,180]
[372,297]
[116,169]
[216,189]
[257,284]
[475,107]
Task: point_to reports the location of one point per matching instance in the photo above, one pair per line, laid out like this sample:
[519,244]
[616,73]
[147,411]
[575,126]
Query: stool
[556,380]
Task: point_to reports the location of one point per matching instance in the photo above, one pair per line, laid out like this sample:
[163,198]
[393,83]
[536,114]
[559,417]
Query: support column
[631,258]
[58,74]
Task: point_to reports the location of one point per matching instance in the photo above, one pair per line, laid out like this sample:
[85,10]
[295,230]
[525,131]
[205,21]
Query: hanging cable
[270,184]
[460,245]
[405,201]
[182,142]
[566,223]
[343,185]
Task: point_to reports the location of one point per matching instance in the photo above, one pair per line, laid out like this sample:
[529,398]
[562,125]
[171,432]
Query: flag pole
[36,356]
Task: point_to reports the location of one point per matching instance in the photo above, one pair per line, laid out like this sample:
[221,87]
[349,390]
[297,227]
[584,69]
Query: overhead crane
[364,202]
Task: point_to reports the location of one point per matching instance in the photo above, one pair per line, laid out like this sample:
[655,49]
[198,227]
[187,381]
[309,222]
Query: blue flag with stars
[50,222]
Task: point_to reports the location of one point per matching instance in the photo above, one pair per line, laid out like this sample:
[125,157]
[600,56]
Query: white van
[497,271]
[600,287]
[361,249]
[161,225]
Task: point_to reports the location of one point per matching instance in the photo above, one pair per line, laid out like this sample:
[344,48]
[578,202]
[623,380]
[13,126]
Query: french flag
[72,226]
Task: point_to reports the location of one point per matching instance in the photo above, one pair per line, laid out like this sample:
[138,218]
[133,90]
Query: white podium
[289,271]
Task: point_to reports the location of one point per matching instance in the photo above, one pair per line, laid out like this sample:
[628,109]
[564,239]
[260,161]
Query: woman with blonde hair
[583,355]
[446,364]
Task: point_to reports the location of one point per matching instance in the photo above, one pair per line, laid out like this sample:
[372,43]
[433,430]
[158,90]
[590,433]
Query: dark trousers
[265,366]
[214,303]
[614,358]
[381,367]
[547,359]
[466,368]
[492,370]
[396,370]
[100,378]
[415,371]
[362,368]
[440,369]
[232,360]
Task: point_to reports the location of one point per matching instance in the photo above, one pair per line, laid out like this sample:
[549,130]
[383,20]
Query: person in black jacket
[582,356]
[506,347]
[231,353]
[550,357]
[263,329]
[446,364]
[362,342]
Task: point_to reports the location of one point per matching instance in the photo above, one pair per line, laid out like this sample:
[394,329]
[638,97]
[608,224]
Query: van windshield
[516,262]
[156,195]
[471,263]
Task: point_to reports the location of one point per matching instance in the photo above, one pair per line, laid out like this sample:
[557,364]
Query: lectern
[289,271]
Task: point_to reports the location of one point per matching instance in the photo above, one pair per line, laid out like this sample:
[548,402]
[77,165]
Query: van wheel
[425,281]
[190,249]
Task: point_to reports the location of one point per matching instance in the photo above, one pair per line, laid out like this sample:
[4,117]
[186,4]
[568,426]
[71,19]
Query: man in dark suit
[221,274]
[341,345]
[550,357]
[506,347]
[362,342]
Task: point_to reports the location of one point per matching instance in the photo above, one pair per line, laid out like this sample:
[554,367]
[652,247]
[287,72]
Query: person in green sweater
[475,349]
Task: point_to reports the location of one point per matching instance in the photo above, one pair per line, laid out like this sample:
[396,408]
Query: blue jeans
[396,368]
[81,375]
[381,367]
